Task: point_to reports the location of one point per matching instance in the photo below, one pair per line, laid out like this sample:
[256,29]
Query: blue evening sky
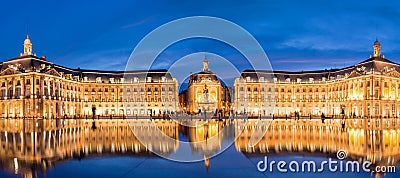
[296,35]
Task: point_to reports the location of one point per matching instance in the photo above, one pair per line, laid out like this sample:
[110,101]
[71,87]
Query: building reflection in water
[28,146]
[200,139]
[376,140]
[31,146]
[206,139]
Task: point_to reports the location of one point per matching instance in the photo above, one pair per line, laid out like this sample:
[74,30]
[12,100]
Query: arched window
[10,92]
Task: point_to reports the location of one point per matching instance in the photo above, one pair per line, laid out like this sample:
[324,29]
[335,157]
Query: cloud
[321,43]
[140,22]
[299,60]
[113,59]
[293,33]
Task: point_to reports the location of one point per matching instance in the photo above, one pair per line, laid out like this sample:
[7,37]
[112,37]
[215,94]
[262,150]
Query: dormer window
[76,78]
[68,76]
[98,80]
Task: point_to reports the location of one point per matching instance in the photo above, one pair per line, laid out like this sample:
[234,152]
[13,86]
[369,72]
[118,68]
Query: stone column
[32,89]
[14,83]
[22,87]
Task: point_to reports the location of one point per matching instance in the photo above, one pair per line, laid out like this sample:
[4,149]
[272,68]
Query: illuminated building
[31,86]
[205,92]
[31,146]
[376,140]
[369,88]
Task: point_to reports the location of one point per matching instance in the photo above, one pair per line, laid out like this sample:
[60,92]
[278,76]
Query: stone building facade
[205,92]
[369,88]
[32,86]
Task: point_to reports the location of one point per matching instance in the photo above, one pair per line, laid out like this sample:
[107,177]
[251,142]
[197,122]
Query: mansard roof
[28,63]
[377,64]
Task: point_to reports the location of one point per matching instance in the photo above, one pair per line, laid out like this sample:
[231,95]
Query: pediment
[53,72]
[354,74]
[9,71]
[393,73]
